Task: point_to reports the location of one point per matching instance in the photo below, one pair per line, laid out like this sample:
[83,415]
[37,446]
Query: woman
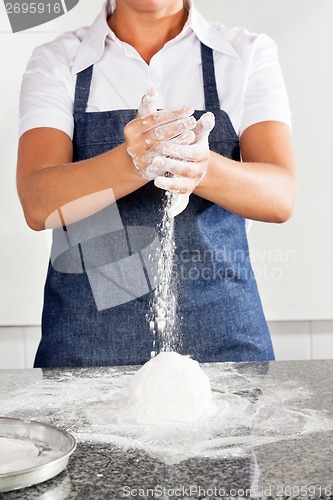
[81,139]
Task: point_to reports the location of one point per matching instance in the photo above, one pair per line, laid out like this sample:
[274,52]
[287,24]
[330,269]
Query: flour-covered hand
[186,164]
[151,129]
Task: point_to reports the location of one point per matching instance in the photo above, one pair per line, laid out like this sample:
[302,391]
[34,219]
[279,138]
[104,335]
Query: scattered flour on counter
[169,388]
[248,409]
[16,454]
[240,415]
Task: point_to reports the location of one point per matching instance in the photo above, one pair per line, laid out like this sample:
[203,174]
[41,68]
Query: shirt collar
[210,34]
[92,45]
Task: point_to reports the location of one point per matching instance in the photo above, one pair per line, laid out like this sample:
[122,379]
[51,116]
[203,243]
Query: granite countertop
[271,433]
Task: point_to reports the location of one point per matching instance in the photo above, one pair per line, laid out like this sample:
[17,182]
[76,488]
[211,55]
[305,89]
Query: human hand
[187,163]
[151,129]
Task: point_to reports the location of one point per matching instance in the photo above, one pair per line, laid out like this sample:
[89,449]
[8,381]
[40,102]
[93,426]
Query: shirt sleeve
[265,95]
[47,91]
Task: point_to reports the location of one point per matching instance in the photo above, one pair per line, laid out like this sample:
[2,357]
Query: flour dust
[164,307]
[247,410]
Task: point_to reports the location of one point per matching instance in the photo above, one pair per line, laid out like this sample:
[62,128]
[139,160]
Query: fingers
[181,185]
[186,138]
[204,125]
[153,169]
[169,141]
[169,131]
[143,157]
[185,162]
[148,103]
[159,165]
[162,118]
[188,152]
[179,167]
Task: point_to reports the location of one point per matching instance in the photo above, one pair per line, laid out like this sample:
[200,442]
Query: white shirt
[249,79]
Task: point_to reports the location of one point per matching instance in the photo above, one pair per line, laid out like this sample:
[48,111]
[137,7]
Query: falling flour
[16,454]
[162,316]
[164,306]
[169,388]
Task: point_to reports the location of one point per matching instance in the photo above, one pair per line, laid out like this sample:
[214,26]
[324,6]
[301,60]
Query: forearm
[95,183]
[259,191]
[55,191]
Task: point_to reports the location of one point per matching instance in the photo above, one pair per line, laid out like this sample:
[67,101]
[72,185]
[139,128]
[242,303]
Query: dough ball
[169,388]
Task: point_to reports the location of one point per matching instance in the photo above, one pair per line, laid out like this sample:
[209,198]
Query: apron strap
[212,101]
[82,89]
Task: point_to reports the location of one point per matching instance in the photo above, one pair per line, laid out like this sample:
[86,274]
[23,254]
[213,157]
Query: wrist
[204,179]
[129,166]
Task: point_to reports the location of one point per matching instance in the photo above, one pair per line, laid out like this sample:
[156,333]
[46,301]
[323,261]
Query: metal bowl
[55,447]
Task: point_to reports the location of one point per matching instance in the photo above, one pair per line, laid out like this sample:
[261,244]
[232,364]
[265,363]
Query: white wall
[23,253]
[298,287]
[303,32]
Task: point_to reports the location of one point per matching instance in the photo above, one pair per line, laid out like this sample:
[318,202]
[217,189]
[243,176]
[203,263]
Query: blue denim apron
[219,308]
